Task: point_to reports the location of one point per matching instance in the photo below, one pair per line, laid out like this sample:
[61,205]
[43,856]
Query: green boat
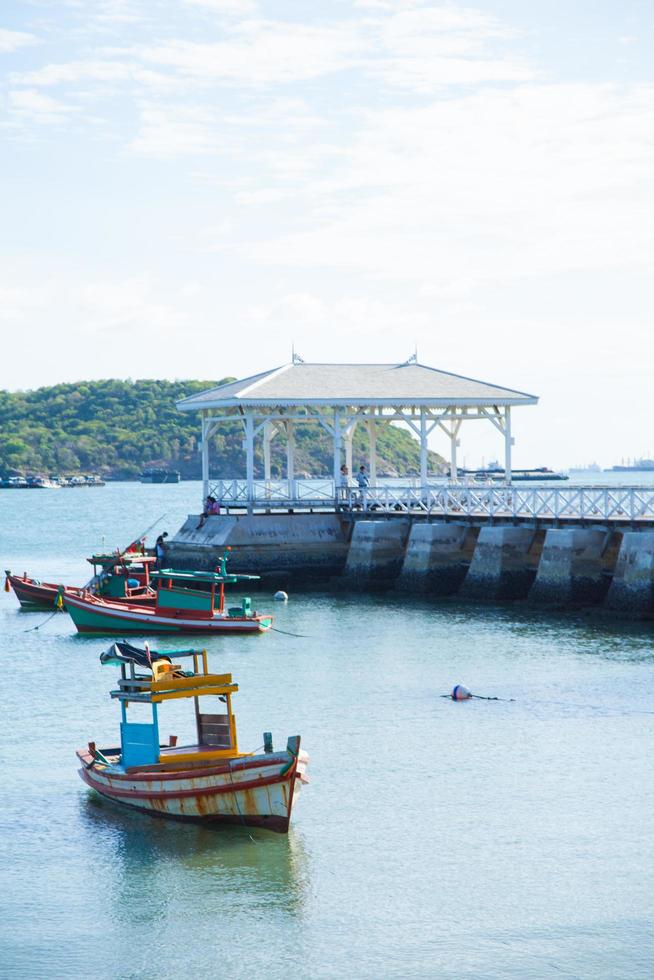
[185,602]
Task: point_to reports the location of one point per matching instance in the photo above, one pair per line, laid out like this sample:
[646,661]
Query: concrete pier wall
[376,552]
[504,564]
[632,588]
[575,566]
[611,566]
[437,558]
[278,547]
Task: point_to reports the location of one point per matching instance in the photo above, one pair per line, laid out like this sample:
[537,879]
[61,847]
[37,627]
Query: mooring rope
[51,616]
[304,636]
[238,808]
[480,697]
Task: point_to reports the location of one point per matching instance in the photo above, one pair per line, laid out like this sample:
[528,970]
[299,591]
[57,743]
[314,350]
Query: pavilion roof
[300,384]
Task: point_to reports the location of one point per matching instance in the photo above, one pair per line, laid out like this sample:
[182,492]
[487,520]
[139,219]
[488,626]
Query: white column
[454,474]
[249,458]
[267,439]
[337,452]
[423,452]
[372,461]
[508,442]
[290,459]
[349,434]
[204,449]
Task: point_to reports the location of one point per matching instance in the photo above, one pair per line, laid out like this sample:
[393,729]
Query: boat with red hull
[122,577]
[210,781]
[186,602]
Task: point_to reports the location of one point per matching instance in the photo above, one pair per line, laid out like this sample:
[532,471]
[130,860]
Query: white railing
[273,491]
[451,500]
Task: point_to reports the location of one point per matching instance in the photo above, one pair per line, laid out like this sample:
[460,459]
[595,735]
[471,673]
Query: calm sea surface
[486,839]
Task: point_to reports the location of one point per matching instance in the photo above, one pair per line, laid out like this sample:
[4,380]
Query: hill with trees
[118,428]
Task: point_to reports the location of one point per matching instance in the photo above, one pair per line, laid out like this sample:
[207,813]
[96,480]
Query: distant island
[117,429]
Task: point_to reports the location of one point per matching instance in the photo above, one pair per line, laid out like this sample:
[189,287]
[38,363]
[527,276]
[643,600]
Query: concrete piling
[575,566]
[504,563]
[632,588]
[437,558]
[376,552]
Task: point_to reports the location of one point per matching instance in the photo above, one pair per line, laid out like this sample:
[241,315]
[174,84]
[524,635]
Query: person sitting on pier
[211,507]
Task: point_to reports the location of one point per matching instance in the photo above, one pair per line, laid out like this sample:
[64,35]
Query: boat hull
[254,791]
[96,616]
[43,595]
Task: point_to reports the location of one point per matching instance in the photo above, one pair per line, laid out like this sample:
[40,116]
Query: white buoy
[461,693]
[281,596]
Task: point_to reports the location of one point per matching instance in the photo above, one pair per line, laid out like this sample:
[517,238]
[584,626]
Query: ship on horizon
[633,466]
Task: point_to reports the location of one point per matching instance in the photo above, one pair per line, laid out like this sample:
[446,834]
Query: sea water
[490,839]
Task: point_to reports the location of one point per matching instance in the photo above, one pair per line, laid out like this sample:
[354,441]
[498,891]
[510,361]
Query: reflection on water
[231,866]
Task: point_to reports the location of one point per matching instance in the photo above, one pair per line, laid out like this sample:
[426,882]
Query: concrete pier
[504,564]
[632,588]
[278,547]
[376,552]
[575,566]
[437,558]
[608,564]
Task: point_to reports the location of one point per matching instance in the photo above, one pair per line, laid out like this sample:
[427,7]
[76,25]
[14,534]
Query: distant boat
[637,466]
[30,483]
[160,476]
[589,468]
[497,475]
[82,481]
[209,781]
[49,483]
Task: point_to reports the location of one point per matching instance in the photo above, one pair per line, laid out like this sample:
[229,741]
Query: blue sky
[190,187]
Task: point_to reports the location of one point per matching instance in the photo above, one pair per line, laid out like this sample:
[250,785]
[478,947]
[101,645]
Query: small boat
[160,476]
[186,602]
[122,576]
[210,781]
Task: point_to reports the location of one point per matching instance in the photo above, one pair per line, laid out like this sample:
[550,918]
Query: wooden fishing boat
[122,577]
[210,781]
[186,602]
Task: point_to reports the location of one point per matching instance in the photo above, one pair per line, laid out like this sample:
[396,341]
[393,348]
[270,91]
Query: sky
[188,188]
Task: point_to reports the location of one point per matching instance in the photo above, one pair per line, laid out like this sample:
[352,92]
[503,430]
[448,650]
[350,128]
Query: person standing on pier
[160,549]
[363,482]
[345,481]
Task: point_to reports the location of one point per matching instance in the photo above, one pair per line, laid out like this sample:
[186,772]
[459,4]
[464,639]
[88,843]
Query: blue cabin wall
[139,742]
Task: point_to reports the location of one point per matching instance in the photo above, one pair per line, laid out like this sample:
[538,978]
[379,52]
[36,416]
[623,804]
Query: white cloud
[39,107]
[261,52]
[173,131]
[73,72]
[13,40]
[528,182]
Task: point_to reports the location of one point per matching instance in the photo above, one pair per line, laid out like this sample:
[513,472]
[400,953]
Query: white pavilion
[341,397]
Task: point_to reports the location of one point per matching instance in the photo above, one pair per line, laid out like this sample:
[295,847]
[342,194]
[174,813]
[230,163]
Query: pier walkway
[549,504]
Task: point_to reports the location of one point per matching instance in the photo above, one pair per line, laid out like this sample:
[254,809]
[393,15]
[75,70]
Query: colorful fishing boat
[186,602]
[210,781]
[121,577]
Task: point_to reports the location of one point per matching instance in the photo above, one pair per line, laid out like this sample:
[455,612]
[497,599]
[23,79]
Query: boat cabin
[215,726]
[122,575]
[198,593]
